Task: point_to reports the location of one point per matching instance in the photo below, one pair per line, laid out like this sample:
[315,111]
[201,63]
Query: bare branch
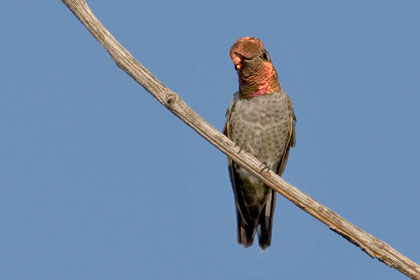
[367,242]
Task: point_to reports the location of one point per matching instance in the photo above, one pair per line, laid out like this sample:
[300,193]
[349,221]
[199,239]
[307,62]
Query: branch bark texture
[371,245]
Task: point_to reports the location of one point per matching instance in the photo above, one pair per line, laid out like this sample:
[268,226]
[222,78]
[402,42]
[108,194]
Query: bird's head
[256,72]
[248,52]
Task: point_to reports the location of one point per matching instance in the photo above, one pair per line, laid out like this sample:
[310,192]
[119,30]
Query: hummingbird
[261,121]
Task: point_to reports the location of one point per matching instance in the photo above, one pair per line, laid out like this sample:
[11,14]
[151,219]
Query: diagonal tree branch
[367,242]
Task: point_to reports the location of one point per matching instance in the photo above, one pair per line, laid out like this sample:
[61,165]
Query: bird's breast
[261,126]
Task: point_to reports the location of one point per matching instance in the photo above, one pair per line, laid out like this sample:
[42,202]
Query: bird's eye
[265,56]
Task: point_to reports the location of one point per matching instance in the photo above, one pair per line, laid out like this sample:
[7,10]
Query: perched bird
[261,121]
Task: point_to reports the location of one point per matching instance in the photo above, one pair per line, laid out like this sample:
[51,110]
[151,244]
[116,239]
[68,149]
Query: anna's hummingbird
[261,121]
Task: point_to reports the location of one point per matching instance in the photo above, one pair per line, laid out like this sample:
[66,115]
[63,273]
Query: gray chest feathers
[262,126]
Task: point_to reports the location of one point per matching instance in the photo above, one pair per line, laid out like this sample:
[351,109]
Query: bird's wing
[233,174]
[290,143]
[266,220]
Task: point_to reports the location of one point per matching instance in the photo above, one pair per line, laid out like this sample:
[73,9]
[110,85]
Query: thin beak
[241,56]
[238,64]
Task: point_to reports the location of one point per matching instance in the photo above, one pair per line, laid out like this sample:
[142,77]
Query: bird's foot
[240,148]
[266,167]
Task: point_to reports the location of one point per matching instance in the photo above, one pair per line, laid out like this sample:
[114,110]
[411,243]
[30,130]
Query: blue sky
[99,181]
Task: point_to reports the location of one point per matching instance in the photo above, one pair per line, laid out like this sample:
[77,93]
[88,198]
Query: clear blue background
[99,181]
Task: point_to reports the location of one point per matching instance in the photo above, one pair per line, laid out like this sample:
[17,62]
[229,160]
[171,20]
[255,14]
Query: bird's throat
[256,83]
